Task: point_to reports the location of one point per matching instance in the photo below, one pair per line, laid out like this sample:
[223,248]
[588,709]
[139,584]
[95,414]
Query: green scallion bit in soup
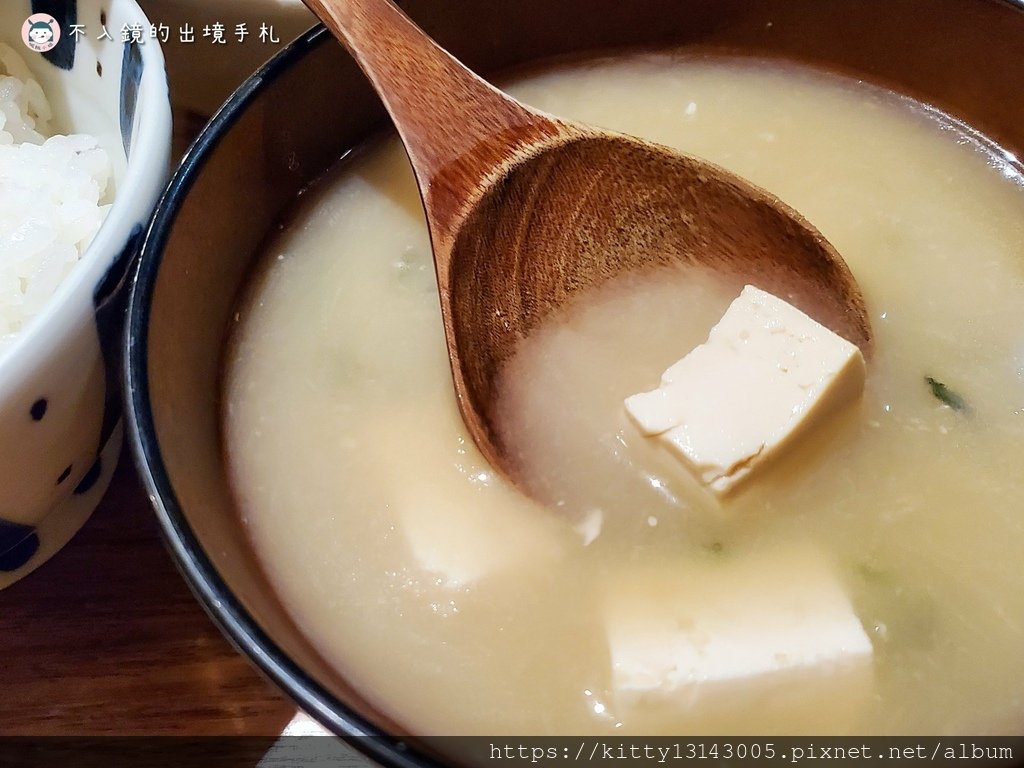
[867,581]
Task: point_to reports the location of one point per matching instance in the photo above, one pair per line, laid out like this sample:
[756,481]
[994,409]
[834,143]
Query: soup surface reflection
[460,606]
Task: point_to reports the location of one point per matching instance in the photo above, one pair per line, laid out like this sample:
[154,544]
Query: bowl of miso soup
[855,573]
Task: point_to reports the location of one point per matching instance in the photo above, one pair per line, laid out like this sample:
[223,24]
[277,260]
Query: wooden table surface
[106,638]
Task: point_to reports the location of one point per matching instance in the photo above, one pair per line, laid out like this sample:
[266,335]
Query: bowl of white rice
[85,134]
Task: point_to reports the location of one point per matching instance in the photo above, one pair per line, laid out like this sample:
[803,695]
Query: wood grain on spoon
[526,210]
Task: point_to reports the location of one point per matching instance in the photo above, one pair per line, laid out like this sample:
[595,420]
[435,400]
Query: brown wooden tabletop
[106,638]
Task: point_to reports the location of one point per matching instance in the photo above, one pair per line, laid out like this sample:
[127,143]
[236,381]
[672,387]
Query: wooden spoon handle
[455,126]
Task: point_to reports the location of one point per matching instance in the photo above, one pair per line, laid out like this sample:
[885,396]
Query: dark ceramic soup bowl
[310,105]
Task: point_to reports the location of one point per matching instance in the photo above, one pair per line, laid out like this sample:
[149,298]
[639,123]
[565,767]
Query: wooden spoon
[526,210]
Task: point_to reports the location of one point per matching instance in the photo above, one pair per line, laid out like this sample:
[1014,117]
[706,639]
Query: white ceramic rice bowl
[60,404]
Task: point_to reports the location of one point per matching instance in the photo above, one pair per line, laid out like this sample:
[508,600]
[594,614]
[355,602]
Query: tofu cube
[456,523]
[764,642]
[458,538]
[767,373]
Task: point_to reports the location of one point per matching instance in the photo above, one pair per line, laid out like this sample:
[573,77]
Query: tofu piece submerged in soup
[458,605]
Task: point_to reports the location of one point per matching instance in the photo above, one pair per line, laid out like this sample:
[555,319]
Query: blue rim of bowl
[203,578]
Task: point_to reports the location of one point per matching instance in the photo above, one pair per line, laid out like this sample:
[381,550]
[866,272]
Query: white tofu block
[460,521]
[458,537]
[767,373]
[765,641]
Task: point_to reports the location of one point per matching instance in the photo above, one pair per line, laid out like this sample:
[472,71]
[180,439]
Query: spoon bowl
[526,210]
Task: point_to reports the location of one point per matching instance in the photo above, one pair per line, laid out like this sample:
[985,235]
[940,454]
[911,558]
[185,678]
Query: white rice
[52,190]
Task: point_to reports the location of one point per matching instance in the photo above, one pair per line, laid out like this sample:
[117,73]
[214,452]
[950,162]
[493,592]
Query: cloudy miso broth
[458,605]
